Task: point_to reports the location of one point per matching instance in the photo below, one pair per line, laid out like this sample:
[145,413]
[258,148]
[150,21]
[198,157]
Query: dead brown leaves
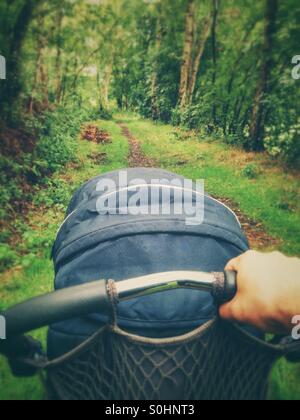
[95,134]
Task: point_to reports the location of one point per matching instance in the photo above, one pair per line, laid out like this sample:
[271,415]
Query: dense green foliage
[57,133]
[230,73]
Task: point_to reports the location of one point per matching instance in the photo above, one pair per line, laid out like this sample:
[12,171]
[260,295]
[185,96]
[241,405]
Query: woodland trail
[136,158]
[255,231]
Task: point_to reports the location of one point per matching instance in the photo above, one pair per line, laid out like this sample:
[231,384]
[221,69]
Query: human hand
[268,294]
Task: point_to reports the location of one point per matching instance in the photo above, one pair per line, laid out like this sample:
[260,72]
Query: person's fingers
[226,312]
[236,263]
[230,311]
[233,265]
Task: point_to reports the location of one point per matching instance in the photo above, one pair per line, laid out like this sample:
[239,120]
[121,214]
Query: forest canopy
[224,66]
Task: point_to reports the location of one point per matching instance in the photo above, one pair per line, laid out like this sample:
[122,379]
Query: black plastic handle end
[225,287]
[58,306]
[230,287]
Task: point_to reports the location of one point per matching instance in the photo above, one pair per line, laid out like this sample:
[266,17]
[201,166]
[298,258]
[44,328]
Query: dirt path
[136,158]
[257,235]
[255,231]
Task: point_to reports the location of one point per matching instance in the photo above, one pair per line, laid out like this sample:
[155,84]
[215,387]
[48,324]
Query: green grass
[262,191]
[34,275]
[284,382]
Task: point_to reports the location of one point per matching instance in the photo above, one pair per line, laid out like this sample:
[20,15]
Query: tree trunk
[235,115]
[257,119]
[64,81]
[235,69]
[44,78]
[154,77]
[12,84]
[187,53]
[214,54]
[197,61]
[105,85]
[39,62]
[58,75]
[36,75]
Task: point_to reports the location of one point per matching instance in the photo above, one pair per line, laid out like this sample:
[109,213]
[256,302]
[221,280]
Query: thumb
[229,311]
[234,264]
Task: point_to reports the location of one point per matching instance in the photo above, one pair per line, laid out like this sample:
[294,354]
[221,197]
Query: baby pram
[156,336]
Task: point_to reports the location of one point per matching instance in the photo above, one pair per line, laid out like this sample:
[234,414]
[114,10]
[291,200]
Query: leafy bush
[10,189]
[28,260]
[234,139]
[55,151]
[57,144]
[103,114]
[8,257]
[251,171]
[36,242]
[57,132]
[284,142]
[286,201]
[190,117]
[5,235]
[57,193]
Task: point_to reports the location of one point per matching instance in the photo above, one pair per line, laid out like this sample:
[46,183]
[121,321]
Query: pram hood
[93,246]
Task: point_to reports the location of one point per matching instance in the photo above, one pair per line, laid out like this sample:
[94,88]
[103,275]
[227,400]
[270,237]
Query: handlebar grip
[225,287]
[93,297]
[54,307]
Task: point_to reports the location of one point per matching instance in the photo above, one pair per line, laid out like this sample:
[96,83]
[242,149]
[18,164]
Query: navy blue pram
[169,345]
[92,246]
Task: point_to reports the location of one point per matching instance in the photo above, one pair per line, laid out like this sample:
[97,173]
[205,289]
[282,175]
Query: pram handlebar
[95,297]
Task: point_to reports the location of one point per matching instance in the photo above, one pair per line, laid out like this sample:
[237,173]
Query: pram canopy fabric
[92,245]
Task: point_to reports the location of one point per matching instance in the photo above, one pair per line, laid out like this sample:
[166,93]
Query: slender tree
[154,75]
[263,85]
[105,83]
[59,44]
[214,55]
[198,57]
[187,53]
[40,79]
[12,85]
